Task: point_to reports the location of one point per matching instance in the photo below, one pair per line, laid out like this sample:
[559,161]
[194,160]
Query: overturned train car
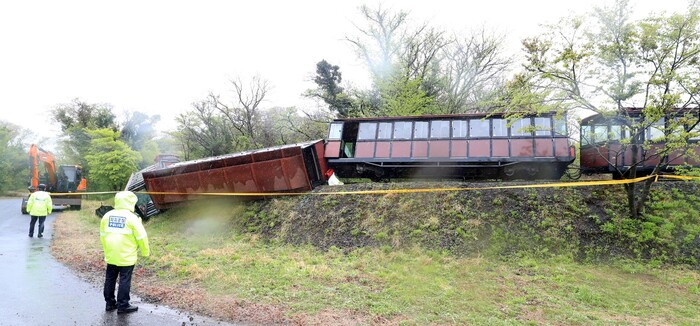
[287,168]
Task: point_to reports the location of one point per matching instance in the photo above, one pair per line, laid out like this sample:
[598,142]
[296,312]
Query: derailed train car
[287,168]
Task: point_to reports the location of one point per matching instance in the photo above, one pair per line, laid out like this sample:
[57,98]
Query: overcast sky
[158,57]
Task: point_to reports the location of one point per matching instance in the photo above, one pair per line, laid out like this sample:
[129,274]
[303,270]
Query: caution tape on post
[401,191]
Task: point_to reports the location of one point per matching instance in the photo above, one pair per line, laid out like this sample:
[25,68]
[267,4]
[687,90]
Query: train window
[600,134]
[521,128]
[402,129]
[384,130]
[695,132]
[499,127]
[586,135]
[420,129]
[459,129]
[440,129]
[478,128]
[615,132]
[336,131]
[560,126]
[656,131]
[543,126]
[368,130]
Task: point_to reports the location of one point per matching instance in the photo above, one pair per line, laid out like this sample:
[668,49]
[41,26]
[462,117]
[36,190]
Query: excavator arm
[38,157]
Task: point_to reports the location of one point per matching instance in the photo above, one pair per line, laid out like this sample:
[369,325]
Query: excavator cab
[68,178]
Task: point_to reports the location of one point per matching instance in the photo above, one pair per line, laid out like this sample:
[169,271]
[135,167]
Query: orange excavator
[64,180]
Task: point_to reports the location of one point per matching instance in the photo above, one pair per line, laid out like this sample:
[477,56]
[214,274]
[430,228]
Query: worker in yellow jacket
[39,205]
[122,235]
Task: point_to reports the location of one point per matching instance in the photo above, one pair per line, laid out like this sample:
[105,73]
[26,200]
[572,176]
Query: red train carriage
[288,168]
[475,146]
[606,145]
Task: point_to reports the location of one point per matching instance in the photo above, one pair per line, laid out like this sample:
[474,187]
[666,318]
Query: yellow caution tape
[679,177]
[400,191]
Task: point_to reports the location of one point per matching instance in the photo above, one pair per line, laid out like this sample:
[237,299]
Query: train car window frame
[655,132]
[460,128]
[600,134]
[335,129]
[483,127]
[543,127]
[367,131]
[441,127]
[616,133]
[499,127]
[560,126]
[384,130]
[695,130]
[586,134]
[421,129]
[521,128]
[403,130]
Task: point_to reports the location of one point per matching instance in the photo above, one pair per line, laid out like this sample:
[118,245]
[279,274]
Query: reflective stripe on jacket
[39,204]
[122,232]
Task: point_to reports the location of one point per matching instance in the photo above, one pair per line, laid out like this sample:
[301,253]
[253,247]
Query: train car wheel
[508,173]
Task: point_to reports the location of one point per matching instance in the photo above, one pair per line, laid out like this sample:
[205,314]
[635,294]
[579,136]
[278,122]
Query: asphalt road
[35,289]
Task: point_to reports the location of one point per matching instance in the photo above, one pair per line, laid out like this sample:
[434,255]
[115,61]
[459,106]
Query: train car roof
[244,153]
[442,116]
[631,112]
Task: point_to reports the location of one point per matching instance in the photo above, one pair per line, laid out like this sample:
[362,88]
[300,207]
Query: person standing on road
[39,205]
[122,234]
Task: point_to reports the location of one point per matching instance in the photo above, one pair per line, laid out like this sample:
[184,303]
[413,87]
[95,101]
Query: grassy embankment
[559,256]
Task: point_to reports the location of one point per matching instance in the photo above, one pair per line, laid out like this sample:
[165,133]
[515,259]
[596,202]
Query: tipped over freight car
[288,168]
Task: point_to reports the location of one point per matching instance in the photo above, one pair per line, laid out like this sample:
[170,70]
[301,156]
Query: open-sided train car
[478,146]
[288,168]
[605,145]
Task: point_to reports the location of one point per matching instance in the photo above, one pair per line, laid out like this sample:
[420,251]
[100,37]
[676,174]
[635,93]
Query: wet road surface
[35,289]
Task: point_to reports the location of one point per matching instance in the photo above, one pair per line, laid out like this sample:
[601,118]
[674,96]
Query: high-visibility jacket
[122,232]
[39,204]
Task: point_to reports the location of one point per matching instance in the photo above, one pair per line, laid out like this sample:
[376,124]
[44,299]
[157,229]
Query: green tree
[473,71]
[395,52]
[280,126]
[243,113]
[138,131]
[139,128]
[449,74]
[607,64]
[77,118]
[79,114]
[14,170]
[110,160]
[204,132]
[328,79]
[402,96]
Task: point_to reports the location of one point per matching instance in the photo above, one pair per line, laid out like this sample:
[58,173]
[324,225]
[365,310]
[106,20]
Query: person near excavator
[39,205]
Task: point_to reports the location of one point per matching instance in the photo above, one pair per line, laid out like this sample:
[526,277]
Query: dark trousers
[124,273]
[33,222]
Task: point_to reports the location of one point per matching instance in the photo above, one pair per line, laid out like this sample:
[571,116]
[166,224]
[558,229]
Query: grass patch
[251,254]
